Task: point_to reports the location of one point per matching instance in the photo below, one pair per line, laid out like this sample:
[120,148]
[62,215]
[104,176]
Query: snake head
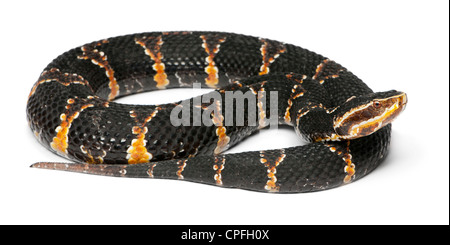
[363,115]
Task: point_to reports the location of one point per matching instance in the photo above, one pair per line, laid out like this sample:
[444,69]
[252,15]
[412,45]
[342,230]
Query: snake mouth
[369,117]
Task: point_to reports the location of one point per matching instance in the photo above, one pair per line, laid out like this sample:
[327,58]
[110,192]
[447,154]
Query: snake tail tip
[35,165]
[49,165]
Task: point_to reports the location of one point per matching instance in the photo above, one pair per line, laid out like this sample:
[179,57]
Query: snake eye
[377,104]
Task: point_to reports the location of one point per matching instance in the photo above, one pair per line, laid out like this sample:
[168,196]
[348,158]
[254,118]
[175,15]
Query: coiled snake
[70,111]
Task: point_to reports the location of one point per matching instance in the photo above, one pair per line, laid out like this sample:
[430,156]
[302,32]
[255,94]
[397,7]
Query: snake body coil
[71,112]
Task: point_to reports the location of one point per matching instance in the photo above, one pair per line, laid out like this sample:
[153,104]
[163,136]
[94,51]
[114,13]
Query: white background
[401,45]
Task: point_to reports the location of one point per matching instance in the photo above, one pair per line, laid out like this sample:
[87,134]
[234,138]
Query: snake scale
[70,110]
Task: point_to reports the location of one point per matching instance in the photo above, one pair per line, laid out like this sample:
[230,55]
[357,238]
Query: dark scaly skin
[81,82]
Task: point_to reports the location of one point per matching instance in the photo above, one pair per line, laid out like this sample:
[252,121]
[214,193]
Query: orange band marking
[137,152]
[152,47]
[181,165]
[221,131]
[65,79]
[271,184]
[218,167]
[91,158]
[61,141]
[293,96]
[350,168]
[322,68]
[90,52]
[269,52]
[262,122]
[211,47]
[150,170]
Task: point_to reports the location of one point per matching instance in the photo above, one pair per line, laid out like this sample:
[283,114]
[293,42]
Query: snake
[255,84]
